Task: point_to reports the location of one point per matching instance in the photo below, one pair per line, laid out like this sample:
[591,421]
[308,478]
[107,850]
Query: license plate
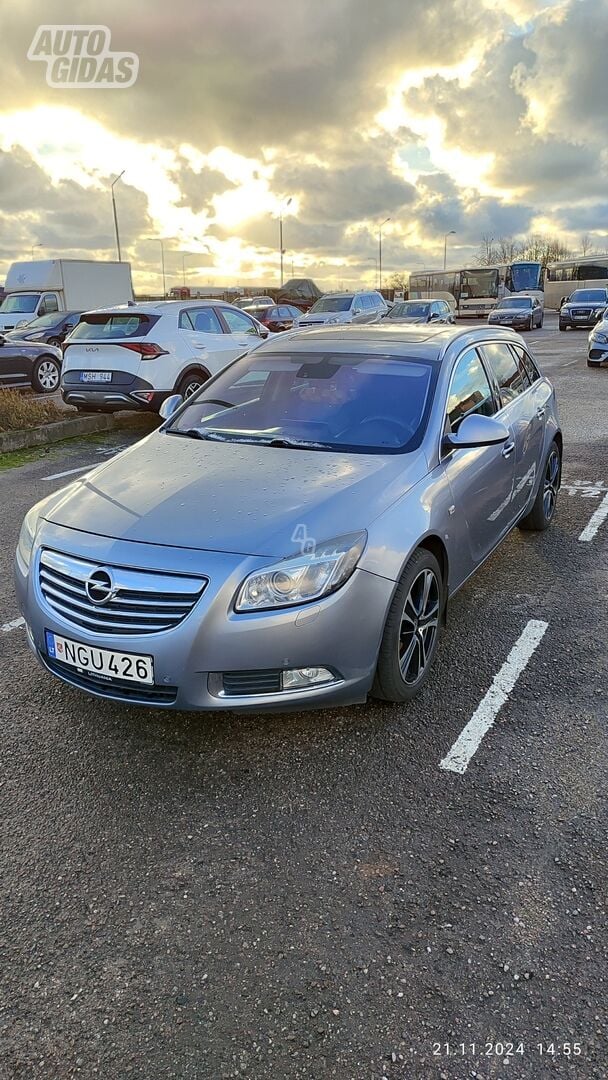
[96,376]
[105,663]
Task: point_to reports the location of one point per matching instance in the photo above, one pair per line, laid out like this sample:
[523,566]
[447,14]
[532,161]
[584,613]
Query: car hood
[509,313]
[233,497]
[411,319]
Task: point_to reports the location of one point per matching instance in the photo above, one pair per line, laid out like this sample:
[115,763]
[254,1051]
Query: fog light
[301,678]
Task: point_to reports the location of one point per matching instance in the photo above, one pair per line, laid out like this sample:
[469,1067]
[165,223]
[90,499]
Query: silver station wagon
[292,534]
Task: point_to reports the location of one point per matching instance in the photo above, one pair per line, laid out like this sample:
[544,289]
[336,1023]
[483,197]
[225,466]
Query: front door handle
[508,449]
[540,412]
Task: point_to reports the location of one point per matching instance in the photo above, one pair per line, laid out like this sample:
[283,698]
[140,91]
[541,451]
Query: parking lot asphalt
[313,895]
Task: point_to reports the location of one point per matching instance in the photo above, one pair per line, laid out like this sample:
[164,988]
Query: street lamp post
[34,246]
[115,181]
[281,250]
[185,255]
[372,258]
[380,227]
[452,232]
[162,261]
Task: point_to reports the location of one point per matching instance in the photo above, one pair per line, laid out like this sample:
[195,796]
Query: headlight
[27,537]
[602,338]
[334,319]
[302,577]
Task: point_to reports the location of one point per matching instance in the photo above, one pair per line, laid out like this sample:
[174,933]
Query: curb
[73,427]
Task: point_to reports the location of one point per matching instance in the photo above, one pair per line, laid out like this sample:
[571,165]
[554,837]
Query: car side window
[508,376]
[203,320]
[526,362]
[470,391]
[238,322]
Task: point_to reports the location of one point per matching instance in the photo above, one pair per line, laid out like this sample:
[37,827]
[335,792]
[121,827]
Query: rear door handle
[508,449]
[540,412]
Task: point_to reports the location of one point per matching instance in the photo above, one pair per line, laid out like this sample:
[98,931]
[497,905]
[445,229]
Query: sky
[485,117]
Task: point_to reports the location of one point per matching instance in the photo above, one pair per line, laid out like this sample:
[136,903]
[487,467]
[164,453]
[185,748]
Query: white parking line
[457,759]
[596,519]
[68,472]
[13,625]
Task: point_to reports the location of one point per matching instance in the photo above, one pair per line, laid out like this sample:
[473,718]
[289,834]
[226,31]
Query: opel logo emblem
[100,587]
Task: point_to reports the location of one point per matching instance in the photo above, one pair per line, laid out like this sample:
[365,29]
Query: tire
[46,375]
[190,383]
[405,632]
[563,326]
[543,511]
[531,323]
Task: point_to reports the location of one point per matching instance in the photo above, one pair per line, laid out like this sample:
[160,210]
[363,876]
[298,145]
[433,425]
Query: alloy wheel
[191,388]
[551,484]
[48,375]
[419,625]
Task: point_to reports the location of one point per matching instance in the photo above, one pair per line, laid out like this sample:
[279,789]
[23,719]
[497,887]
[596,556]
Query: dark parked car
[519,312]
[421,311]
[275,317]
[50,329]
[585,307]
[30,363]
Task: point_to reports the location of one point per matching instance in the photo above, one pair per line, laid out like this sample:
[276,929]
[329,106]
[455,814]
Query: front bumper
[572,323]
[598,355]
[342,632]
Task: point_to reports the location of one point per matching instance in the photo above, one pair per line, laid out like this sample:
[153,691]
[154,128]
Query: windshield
[332,303]
[43,321]
[20,302]
[478,284]
[409,309]
[359,403]
[526,276]
[589,296]
[516,302]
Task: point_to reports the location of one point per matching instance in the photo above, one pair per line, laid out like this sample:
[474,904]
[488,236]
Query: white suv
[334,308]
[133,357]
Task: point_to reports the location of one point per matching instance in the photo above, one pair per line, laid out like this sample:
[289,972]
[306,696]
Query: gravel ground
[310,895]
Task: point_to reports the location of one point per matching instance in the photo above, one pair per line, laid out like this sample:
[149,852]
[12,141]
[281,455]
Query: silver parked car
[341,308]
[291,536]
[421,311]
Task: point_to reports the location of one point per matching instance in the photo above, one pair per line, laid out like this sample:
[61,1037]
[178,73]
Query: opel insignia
[292,534]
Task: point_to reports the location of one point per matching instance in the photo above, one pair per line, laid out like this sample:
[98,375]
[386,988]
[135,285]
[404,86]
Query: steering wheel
[397,437]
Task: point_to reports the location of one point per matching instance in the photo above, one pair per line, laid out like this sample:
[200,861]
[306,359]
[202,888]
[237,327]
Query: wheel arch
[191,369]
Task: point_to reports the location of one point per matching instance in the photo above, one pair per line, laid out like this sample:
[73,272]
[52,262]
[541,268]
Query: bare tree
[586,244]
[486,252]
[399,280]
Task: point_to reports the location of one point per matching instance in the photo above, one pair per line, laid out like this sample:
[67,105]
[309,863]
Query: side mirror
[433,316]
[357,311]
[474,431]
[169,405]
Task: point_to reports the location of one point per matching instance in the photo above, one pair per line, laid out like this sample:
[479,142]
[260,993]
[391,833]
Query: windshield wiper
[194,433]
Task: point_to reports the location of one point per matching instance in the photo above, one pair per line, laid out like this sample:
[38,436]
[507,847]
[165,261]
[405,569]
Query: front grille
[597,354]
[581,313]
[244,683]
[139,601]
[119,691]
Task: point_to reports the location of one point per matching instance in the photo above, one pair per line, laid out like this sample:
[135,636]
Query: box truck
[48,285]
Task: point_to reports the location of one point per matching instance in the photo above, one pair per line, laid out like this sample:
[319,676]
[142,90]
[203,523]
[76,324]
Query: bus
[562,278]
[475,291]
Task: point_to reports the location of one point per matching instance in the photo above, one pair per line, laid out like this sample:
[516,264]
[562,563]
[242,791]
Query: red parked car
[276,317]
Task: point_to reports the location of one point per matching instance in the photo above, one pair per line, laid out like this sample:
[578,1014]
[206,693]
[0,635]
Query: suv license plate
[105,663]
[96,376]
